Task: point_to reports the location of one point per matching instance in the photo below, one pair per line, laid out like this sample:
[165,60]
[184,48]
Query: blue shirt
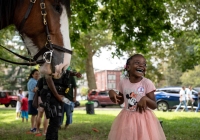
[31,85]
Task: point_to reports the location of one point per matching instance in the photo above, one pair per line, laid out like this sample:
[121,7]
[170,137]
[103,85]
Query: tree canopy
[165,31]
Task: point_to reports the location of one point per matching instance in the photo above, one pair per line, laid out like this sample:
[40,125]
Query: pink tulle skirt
[130,125]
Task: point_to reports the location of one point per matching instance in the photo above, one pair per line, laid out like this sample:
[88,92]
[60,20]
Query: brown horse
[44,27]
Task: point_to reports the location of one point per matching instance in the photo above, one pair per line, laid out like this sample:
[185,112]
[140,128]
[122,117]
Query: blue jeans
[198,107]
[68,109]
[182,103]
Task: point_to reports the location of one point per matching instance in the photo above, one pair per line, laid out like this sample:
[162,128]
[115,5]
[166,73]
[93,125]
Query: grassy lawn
[177,126]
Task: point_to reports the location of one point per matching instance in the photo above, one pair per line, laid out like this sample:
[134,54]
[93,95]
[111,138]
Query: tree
[136,23]
[89,44]
[191,77]
[129,24]
[12,76]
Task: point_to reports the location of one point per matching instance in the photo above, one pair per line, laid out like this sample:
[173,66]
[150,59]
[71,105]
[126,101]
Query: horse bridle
[47,50]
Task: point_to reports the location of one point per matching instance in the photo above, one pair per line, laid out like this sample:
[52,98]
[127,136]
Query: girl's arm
[115,98]
[147,101]
[151,101]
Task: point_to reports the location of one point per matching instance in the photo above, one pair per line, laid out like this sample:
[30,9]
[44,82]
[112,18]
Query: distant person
[189,99]
[25,108]
[182,99]
[70,93]
[33,78]
[18,106]
[137,120]
[198,107]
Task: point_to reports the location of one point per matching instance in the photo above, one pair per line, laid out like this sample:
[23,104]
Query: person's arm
[115,98]
[74,87]
[22,101]
[180,98]
[77,74]
[147,101]
[18,98]
[74,94]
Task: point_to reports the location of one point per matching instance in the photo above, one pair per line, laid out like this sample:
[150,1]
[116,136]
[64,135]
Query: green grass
[177,126]
[82,103]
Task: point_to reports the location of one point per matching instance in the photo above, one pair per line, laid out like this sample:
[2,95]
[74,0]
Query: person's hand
[142,104]
[74,99]
[35,89]
[78,75]
[192,101]
[115,97]
[60,97]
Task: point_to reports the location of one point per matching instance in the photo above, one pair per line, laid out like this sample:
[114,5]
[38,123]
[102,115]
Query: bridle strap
[24,63]
[32,2]
[62,49]
[20,56]
[46,48]
[44,14]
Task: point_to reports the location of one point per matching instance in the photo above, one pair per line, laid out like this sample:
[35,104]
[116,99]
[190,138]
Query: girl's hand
[142,104]
[147,101]
[115,98]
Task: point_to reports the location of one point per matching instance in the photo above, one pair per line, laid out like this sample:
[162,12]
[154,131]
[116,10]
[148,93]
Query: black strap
[62,49]
[46,48]
[24,63]
[27,14]
[20,56]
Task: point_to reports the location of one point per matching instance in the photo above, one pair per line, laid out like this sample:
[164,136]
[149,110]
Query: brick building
[107,79]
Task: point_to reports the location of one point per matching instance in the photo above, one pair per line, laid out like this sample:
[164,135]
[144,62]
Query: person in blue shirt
[31,86]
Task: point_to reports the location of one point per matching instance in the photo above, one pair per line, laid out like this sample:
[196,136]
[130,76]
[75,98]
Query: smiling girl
[137,120]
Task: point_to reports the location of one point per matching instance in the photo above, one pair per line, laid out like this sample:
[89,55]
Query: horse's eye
[58,8]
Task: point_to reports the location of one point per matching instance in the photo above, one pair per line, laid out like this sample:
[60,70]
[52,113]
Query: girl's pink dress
[132,125]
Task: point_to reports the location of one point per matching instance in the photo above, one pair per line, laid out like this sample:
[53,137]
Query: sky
[106,62]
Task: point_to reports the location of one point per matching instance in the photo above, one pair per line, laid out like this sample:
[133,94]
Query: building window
[111,77]
[111,85]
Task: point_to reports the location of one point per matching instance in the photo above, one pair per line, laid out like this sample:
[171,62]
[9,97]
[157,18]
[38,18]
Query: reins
[47,50]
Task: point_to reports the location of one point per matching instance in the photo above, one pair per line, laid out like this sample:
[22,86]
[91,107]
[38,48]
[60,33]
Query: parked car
[168,97]
[100,98]
[8,98]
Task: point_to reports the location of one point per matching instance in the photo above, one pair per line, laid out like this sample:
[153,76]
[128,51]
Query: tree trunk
[90,70]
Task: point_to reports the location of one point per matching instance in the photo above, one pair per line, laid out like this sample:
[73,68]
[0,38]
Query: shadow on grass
[177,126]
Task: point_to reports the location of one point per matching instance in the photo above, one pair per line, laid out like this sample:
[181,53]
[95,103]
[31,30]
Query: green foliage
[131,26]
[12,76]
[191,77]
[84,91]
[135,23]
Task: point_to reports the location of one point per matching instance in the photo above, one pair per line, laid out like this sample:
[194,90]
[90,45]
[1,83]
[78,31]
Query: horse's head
[44,27]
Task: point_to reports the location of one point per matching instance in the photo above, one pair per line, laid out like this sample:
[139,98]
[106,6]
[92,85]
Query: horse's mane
[66,3]
[7,9]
